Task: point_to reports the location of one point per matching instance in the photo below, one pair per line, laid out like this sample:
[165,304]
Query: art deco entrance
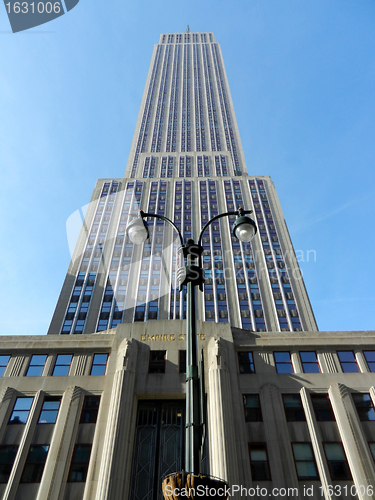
[159,438]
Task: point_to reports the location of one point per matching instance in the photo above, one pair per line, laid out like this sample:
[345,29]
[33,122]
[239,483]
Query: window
[99,364]
[260,470]
[90,410]
[246,362]
[364,406]
[62,365]
[50,410]
[7,456]
[182,361]
[322,407]
[305,463]
[370,358]
[21,411]
[36,365]
[309,362]
[251,405]
[35,462]
[337,464]
[157,362]
[348,361]
[4,359]
[283,362]
[80,463]
[293,408]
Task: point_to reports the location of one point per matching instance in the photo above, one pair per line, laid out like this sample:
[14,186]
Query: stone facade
[232,427]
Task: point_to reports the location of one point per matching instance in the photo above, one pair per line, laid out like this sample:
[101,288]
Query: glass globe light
[244,229]
[137,231]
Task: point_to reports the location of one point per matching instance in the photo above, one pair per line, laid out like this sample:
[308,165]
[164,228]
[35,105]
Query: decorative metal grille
[158,447]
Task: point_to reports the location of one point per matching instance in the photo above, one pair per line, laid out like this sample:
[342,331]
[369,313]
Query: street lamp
[191,274]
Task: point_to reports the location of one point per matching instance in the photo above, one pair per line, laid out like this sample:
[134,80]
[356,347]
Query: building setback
[95,409]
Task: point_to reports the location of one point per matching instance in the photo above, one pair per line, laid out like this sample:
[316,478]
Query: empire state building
[186,162]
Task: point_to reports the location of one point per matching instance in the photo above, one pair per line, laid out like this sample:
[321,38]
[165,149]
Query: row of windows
[321,403]
[36,460]
[37,454]
[304,461]
[50,409]
[61,367]
[283,362]
[309,361]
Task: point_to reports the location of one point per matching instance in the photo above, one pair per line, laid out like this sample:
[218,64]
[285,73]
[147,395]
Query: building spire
[187,29]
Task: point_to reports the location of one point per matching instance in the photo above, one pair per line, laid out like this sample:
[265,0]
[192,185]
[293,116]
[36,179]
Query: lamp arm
[156,216]
[239,212]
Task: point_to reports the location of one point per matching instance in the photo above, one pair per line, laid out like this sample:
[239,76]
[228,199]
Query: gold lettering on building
[169,338]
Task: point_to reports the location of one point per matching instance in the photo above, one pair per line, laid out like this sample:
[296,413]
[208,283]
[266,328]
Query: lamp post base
[182,485]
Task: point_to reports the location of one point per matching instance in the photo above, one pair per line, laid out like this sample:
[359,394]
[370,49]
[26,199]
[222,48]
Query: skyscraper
[290,410]
[186,162]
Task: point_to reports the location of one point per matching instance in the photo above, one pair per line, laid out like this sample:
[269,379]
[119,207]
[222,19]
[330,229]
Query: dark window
[372,449]
[36,365]
[4,359]
[21,411]
[50,410]
[80,463]
[309,362]
[246,362]
[35,462]
[99,364]
[348,361]
[260,470]
[251,405]
[305,463]
[338,466]
[283,362]
[293,408]
[157,362]
[90,410]
[62,365]
[364,406]
[182,361]
[370,358]
[322,407]
[7,456]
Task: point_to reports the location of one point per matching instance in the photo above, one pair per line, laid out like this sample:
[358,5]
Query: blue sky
[302,78]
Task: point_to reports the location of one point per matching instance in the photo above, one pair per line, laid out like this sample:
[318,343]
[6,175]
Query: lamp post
[190,273]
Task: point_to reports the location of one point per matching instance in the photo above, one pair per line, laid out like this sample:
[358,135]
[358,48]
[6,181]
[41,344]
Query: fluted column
[63,440]
[6,399]
[316,441]
[277,436]
[223,457]
[23,449]
[115,467]
[355,444]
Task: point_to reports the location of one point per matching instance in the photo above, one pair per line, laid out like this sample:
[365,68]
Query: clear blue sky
[302,78]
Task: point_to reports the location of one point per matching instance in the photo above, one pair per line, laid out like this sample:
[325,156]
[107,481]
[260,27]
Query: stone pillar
[221,430]
[23,449]
[279,449]
[316,441]
[355,444]
[7,397]
[63,439]
[115,466]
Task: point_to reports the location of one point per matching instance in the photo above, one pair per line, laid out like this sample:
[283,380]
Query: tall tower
[186,162]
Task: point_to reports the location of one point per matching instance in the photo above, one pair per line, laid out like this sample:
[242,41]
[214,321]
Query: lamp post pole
[190,273]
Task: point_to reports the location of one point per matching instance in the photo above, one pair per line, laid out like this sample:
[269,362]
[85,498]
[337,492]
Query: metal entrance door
[158,446]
